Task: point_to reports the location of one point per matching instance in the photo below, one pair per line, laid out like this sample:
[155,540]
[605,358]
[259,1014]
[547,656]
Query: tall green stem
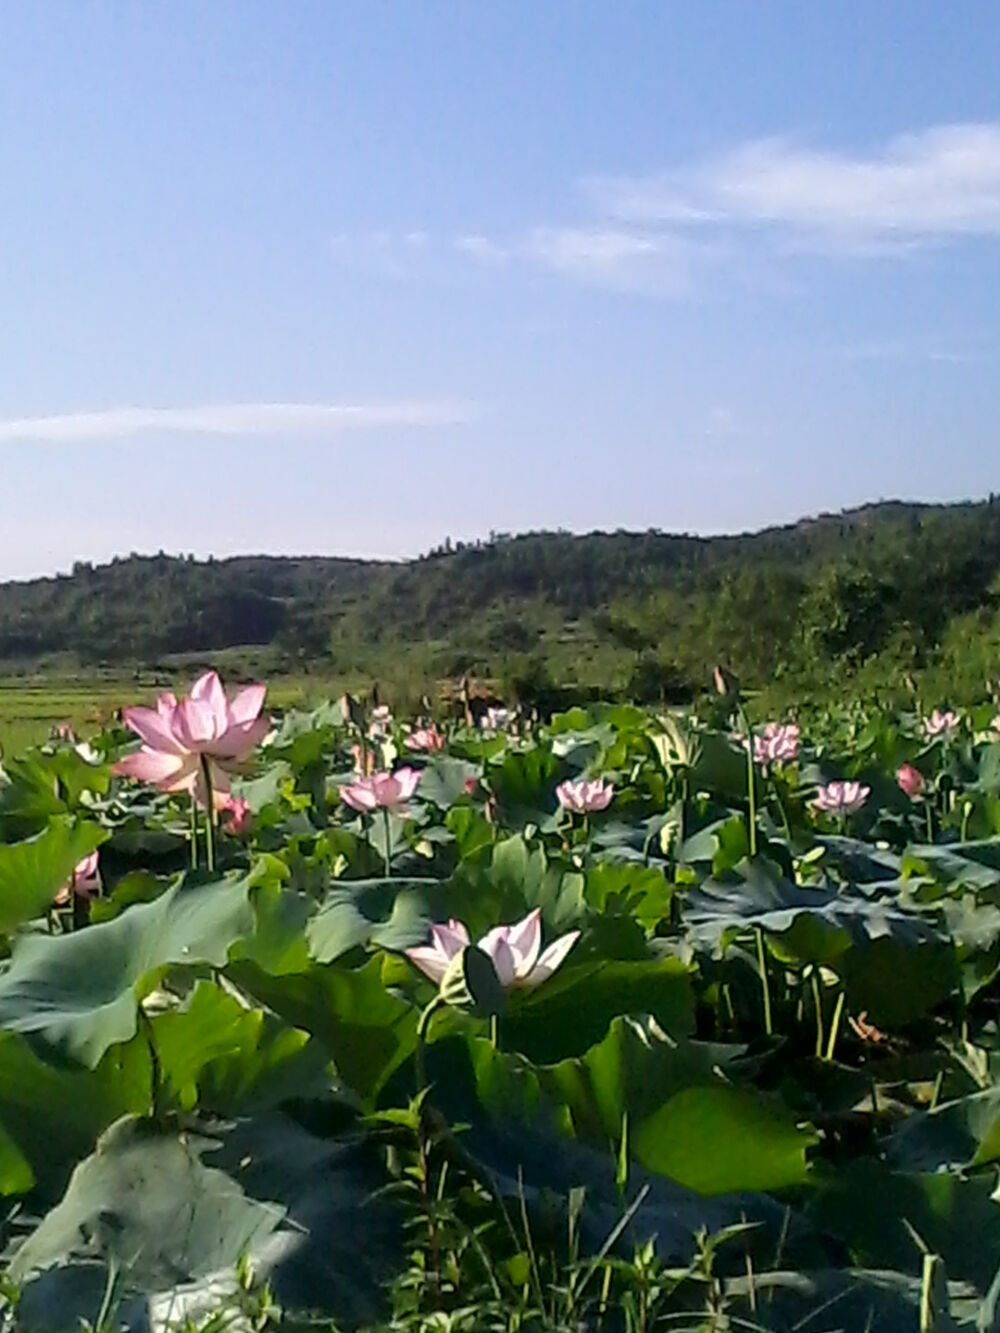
[206,777]
[194,832]
[388,841]
[831,1045]
[155,1073]
[929,812]
[818,1006]
[764,986]
[751,786]
[931,1282]
[781,810]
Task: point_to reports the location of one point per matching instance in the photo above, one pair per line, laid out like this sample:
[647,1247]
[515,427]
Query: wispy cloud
[609,255]
[599,253]
[940,183]
[908,349]
[392,254]
[768,199]
[483,248]
[232,419]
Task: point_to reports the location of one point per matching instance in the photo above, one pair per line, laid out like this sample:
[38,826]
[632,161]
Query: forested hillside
[900,586]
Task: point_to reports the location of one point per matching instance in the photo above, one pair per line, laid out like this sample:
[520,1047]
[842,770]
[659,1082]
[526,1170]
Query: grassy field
[30,706]
[33,703]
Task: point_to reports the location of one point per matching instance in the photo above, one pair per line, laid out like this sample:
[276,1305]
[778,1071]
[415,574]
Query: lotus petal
[150,766]
[153,728]
[524,940]
[431,961]
[207,690]
[551,958]
[246,705]
[240,739]
[450,939]
[195,723]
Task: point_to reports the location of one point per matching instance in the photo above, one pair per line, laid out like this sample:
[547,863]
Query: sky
[349,277]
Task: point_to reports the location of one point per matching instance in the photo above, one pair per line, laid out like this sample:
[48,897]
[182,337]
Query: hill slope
[888,582]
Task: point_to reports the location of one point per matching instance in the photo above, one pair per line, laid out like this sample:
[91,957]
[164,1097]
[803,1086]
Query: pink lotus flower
[583,797]
[779,742]
[381,791]
[940,724]
[204,730]
[238,817]
[841,798]
[85,881]
[513,950]
[426,738]
[911,780]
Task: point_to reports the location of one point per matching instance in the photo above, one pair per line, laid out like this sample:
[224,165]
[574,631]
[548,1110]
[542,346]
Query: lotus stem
[930,1278]
[751,790]
[936,1090]
[928,810]
[495,1031]
[194,833]
[835,1027]
[967,809]
[155,1072]
[764,986]
[818,1007]
[727,997]
[781,810]
[206,777]
[388,837]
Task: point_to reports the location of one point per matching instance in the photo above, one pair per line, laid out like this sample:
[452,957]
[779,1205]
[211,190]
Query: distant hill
[889,578]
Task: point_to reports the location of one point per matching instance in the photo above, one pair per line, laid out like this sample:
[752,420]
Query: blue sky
[349,277]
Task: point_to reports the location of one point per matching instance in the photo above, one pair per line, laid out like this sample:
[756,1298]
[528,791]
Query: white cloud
[392,254]
[232,419]
[598,253]
[482,248]
[938,183]
[657,263]
[908,349]
[590,250]
[768,198]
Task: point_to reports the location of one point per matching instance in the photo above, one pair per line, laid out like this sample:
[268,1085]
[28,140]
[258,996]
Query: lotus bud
[910,779]
[471,983]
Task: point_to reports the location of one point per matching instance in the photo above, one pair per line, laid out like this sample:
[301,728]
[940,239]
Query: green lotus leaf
[78,993]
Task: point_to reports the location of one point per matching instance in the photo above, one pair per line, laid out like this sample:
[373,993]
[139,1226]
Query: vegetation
[870,596]
[750,1082]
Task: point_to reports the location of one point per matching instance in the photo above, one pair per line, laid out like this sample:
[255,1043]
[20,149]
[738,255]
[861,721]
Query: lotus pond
[624,1021]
